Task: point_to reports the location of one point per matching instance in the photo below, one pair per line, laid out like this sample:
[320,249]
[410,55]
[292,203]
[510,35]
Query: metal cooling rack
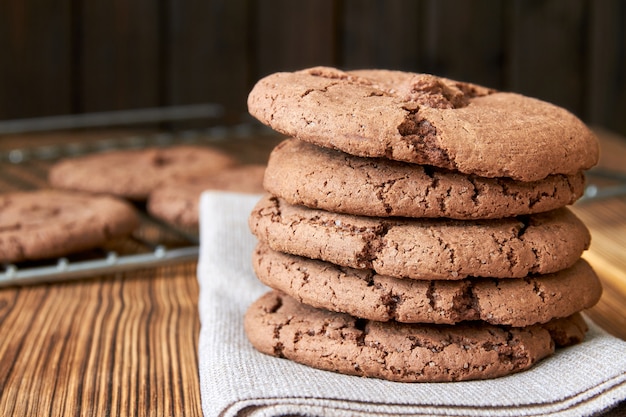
[154,243]
[602,183]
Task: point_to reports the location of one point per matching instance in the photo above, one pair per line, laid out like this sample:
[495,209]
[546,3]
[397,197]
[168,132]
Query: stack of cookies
[415,227]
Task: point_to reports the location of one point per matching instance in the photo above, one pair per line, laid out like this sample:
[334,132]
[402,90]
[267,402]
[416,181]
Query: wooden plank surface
[606,219]
[206,54]
[377,34]
[547,50]
[126,344]
[119,55]
[288,35]
[605,95]
[465,40]
[36,61]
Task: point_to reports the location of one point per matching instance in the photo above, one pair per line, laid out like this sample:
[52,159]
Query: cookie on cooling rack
[133,174]
[49,223]
[176,201]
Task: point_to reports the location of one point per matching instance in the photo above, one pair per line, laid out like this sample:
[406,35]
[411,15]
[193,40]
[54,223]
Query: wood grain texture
[607,222]
[123,345]
[607,255]
[609,312]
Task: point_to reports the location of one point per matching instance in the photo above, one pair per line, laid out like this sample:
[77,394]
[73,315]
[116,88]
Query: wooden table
[126,343]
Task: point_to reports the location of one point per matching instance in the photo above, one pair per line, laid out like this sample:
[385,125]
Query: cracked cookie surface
[49,223]
[424,119]
[316,177]
[424,248]
[366,294]
[134,173]
[278,325]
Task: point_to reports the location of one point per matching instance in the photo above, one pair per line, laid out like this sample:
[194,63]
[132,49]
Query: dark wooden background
[74,56]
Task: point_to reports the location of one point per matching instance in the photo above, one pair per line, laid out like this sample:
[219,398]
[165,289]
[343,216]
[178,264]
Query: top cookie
[135,173]
[424,119]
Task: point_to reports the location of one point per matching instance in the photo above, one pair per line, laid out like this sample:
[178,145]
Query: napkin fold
[237,380]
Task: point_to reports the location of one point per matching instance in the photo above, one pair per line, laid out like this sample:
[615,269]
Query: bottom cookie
[278,325]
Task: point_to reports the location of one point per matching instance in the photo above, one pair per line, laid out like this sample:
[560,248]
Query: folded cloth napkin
[236,380]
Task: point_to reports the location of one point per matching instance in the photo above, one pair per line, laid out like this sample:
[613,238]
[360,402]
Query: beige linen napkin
[236,380]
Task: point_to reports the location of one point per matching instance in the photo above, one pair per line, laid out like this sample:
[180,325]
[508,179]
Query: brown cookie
[135,173]
[49,223]
[176,201]
[316,177]
[366,294]
[424,248]
[424,119]
[278,325]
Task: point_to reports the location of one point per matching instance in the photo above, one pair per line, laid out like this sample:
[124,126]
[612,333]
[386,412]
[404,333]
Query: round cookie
[176,202]
[366,294]
[424,248]
[134,173]
[49,223]
[278,325]
[316,177]
[424,119]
